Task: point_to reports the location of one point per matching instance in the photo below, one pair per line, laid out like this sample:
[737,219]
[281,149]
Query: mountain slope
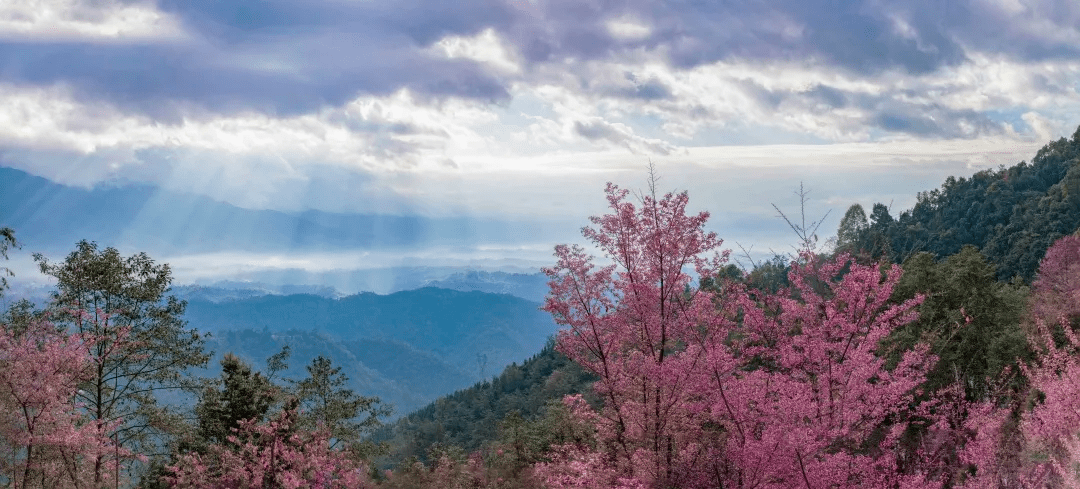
[1011,214]
[425,342]
[470,417]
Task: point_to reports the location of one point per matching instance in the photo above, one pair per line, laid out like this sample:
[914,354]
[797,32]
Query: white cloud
[628,29]
[101,20]
[486,48]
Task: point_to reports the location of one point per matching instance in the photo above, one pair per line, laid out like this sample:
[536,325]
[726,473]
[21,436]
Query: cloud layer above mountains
[523,108]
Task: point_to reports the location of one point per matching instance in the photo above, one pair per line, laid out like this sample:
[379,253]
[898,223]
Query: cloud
[286,58]
[418,106]
[86,20]
[620,135]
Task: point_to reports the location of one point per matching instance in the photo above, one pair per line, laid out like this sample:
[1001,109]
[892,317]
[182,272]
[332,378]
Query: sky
[523,109]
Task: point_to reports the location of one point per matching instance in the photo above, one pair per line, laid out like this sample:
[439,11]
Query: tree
[805,396]
[44,436]
[7,241]
[707,388]
[807,233]
[1056,290]
[272,454]
[243,395]
[142,347]
[1037,443]
[638,326]
[971,321]
[852,232]
[326,404]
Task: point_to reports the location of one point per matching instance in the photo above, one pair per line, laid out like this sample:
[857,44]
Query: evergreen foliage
[972,322]
[1011,214]
[142,346]
[241,394]
[7,241]
[470,418]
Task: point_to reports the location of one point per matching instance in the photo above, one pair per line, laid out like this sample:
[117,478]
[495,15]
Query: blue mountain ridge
[408,347]
[52,217]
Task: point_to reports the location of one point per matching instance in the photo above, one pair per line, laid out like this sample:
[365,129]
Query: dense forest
[1012,215]
[933,349]
[469,419]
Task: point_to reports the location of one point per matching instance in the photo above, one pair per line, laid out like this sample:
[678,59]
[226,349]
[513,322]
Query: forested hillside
[1011,214]
[471,417]
[403,377]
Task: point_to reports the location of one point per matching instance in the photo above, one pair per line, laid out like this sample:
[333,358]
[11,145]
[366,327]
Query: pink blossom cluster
[726,386]
[46,439]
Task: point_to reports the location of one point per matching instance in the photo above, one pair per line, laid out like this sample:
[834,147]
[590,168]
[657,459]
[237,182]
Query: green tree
[770,276]
[7,241]
[852,232]
[326,403]
[241,394]
[971,321]
[144,347]
[877,241]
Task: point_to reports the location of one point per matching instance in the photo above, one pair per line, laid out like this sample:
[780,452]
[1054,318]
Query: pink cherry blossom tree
[1039,447]
[718,387]
[46,440]
[642,328]
[1056,290]
[274,454]
[817,407]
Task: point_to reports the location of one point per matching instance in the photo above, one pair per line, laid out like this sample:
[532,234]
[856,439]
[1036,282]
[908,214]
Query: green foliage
[20,315]
[1011,214]
[470,417]
[144,348]
[241,394]
[771,275]
[525,442]
[853,229]
[7,241]
[326,403]
[971,321]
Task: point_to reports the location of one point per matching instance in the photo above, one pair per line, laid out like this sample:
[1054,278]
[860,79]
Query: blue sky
[522,109]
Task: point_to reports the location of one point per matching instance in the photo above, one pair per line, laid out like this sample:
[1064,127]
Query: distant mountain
[529,286]
[409,346]
[51,217]
[533,287]
[231,291]
[397,373]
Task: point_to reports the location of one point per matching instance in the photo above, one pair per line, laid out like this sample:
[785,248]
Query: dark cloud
[827,95]
[934,121]
[154,79]
[287,57]
[597,130]
[276,57]
[906,123]
[906,111]
[633,88]
[864,37]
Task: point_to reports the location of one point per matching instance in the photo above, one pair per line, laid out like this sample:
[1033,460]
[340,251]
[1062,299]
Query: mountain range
[408,347]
